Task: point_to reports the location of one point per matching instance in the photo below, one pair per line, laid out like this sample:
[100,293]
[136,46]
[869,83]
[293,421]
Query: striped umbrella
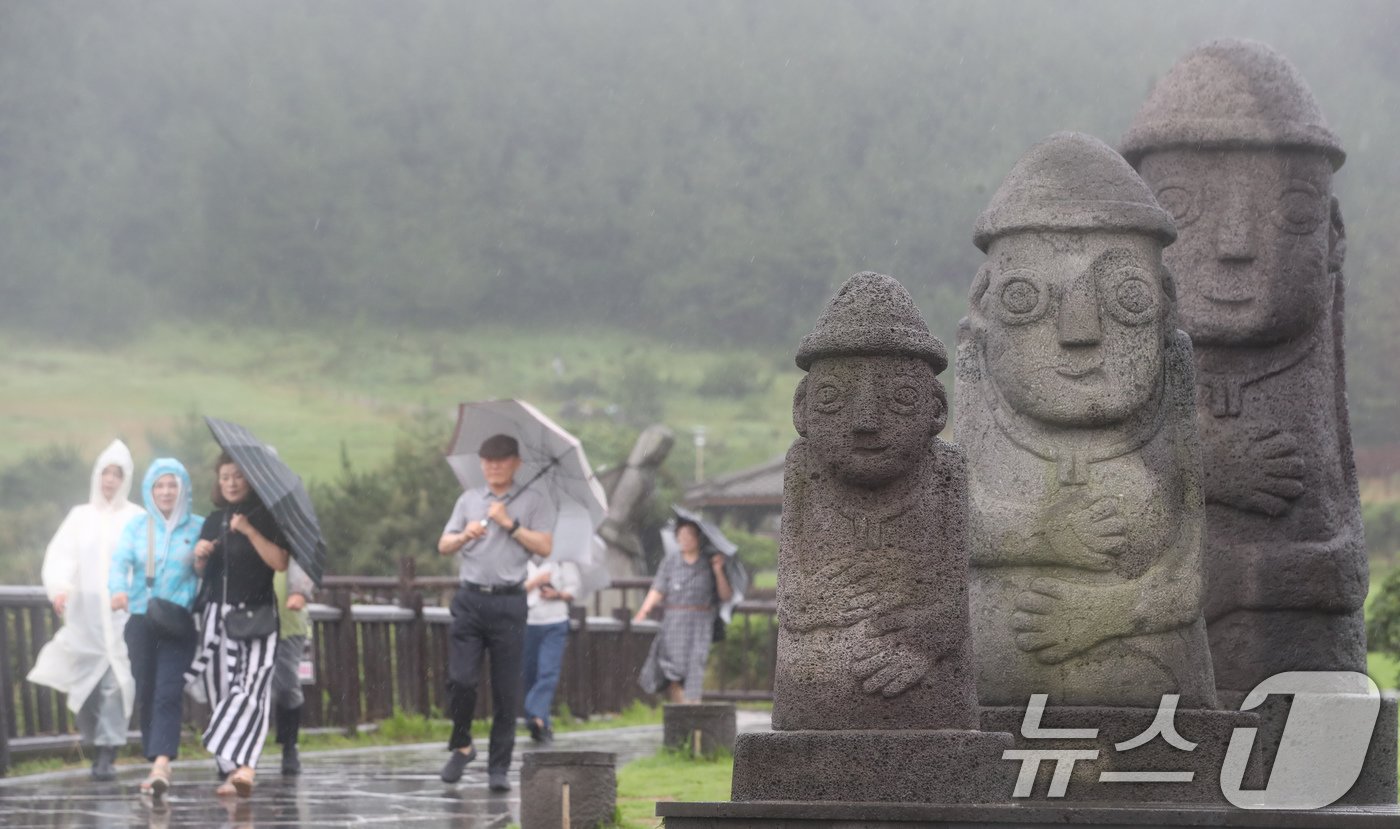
[281,491]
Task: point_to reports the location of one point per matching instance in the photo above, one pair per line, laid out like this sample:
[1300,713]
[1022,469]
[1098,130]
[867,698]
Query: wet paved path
[384,786]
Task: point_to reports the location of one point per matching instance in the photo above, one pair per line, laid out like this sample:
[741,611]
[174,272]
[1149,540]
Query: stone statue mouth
[1228,299]
[1074,372]
[868,450]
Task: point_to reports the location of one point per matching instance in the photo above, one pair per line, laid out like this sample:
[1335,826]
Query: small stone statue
[873,694]
[1074,407]
[1235,146]
[873,625]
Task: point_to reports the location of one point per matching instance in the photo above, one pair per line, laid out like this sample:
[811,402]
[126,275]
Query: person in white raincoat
[87,658]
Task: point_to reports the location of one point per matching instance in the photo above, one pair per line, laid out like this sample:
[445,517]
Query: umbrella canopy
[551,459]
[281,491]
[712,542]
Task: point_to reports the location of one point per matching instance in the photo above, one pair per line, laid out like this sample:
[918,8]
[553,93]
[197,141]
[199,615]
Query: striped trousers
[239,687]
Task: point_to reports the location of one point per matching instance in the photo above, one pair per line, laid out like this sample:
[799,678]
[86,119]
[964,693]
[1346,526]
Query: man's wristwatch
[514,528]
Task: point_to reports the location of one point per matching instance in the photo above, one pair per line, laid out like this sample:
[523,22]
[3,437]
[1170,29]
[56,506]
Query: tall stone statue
[874,695]
[1235,146]
[1075,409]
[628,498]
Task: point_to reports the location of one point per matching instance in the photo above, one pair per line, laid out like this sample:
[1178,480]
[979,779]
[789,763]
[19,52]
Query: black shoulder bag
[244,623]
[168,619]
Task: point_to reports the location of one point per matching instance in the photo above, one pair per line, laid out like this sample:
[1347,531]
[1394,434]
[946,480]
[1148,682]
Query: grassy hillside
[308,393]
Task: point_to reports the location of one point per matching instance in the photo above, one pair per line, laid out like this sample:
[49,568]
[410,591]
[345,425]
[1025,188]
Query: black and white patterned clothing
[682,645]
[238,687]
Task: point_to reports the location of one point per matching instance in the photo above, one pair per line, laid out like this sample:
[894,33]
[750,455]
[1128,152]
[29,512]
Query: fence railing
[380,646]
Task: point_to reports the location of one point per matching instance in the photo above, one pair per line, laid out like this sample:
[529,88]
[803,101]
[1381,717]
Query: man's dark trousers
[486,623]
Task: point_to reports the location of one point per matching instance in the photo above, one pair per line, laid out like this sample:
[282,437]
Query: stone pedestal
[1377,784]
[714,722]
[894,766]
[1009,816]
[1209,730]
[574,789]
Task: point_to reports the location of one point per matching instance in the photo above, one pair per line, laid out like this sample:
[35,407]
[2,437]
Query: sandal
[226,789]
[157,783]
[242,781]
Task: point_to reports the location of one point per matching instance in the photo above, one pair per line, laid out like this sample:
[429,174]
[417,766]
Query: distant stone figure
[628,499]
[1236,148]
[1074,407]
[872,571]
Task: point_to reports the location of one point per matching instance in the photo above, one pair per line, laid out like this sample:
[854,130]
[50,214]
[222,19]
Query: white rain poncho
[75,565]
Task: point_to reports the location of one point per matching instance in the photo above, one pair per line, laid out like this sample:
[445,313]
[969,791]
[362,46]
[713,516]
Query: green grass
[668,775]
[308,392]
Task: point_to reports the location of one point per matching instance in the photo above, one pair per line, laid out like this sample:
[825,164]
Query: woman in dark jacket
[240,549]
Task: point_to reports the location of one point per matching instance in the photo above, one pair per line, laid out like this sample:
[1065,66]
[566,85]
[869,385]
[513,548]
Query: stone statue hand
[1262,473]
[1057,619]
[851,587]
[1084,531]
[893,658]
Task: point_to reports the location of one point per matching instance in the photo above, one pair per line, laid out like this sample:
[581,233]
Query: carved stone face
[1251,259]
[1074,324]
[869,420]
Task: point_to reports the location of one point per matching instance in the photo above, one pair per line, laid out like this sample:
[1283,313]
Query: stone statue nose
[1079,313]
[865,412]
[1234,237]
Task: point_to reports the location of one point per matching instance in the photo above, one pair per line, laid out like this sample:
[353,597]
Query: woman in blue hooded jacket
[166,533]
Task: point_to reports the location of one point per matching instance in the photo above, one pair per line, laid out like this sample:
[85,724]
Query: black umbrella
[281,491]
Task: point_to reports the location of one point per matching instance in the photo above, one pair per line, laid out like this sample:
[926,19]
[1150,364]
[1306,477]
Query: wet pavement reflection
[386,786]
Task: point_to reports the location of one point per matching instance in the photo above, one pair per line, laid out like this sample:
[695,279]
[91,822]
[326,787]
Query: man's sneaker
[546,735]
[452,772]
[291,761]
[537,729]
[498,782]
[103,767]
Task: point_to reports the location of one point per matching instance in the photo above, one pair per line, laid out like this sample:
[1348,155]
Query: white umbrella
[551,460]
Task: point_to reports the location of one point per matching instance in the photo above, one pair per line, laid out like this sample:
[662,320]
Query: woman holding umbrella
[240,549]
[692,585]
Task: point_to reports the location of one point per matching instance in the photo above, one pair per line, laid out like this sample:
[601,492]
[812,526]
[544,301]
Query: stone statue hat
[871,315]
[1231,94]
[1072,181]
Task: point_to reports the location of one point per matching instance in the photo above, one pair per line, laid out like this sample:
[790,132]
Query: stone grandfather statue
[1236,147]
[1075,409]
[872,571]
[874,687]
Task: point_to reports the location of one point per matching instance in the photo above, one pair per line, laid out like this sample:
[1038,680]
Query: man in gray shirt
[493,531]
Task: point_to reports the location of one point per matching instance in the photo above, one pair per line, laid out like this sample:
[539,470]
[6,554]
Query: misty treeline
[701,169]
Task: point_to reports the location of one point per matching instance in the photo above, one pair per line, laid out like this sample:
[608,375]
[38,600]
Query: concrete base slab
[903,766]
[1010,816]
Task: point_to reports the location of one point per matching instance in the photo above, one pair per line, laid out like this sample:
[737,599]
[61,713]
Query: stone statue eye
[1178,200]
[1301,208]
[828,398]
[1133,299]
[904,398]
[1017,297]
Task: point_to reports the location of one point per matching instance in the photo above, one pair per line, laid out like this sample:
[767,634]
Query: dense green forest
[703,170]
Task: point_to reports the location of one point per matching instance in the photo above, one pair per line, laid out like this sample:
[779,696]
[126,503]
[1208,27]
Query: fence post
[7,713]
[413,692]
[349,665]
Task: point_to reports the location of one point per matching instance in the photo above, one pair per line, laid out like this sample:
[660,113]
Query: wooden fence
[381,646]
